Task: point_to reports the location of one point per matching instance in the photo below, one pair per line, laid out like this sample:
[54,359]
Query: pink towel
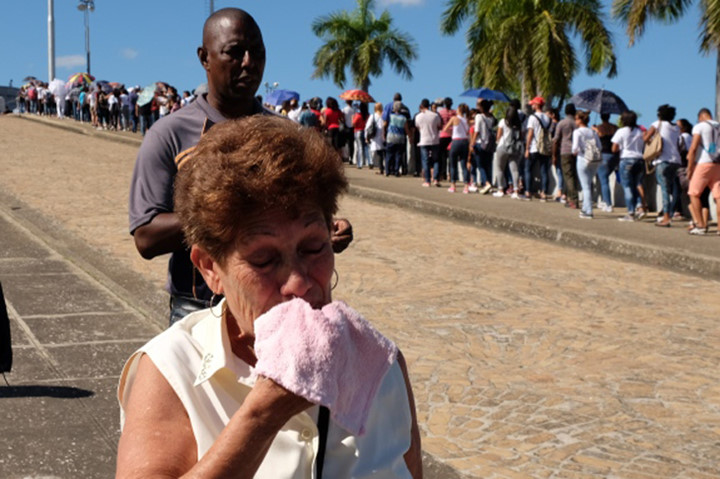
[332,357]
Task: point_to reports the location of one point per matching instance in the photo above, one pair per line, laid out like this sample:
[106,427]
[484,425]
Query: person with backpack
[703,168]
[375,137]
[586,147]
[667,164]
[483,144]
[628,142]
[538,148]
[509,150]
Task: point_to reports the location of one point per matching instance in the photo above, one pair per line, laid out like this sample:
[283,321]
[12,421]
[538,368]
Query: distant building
[8,94]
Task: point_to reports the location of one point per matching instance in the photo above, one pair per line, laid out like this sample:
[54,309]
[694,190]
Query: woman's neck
[241,342]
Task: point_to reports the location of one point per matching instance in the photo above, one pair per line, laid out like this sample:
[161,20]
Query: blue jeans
[586,172]
[561,180]
[632,172]
[544,162]
[665,174]
[604,171]
[430,153]
[484,160]
[459,152]
[394,158]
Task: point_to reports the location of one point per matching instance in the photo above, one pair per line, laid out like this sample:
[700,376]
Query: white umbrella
[57,87]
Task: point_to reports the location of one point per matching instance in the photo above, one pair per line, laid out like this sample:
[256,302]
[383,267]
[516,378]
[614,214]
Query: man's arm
[528,140]
[162,235]
[691,155]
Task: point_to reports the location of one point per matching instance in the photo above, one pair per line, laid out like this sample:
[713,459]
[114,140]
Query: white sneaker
[472,189]
[515,196]
[607,208]
[498,194]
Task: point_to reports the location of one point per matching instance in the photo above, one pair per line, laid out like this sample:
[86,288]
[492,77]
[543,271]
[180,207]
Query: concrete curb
[645,254]
[103,134]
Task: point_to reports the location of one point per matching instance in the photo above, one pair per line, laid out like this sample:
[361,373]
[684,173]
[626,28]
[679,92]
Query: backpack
[543,140]
[712,148]
[371,128]
[592,152]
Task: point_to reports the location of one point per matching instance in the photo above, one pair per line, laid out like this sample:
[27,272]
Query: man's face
[234,58]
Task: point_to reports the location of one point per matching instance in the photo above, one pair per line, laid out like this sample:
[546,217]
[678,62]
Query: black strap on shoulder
[322,424]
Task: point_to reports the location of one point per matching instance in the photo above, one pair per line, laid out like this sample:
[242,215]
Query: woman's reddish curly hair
[243,168]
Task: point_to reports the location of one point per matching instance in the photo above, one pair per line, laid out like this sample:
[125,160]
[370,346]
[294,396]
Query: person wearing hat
[537,129]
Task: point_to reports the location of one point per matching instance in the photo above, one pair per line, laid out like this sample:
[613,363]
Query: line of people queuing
[505,157]
[105,108]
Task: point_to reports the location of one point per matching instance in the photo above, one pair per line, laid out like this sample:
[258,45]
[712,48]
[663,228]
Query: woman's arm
[453,121]
[649,133]
[158,441]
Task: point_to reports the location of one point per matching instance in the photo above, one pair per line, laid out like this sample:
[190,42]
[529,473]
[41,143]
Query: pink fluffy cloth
[330,356]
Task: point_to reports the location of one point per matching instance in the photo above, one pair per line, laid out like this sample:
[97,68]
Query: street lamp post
[51,40]
[87,6]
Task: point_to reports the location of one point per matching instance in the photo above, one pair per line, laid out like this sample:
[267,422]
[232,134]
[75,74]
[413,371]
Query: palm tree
[363,42]
[526,45]
[636,13]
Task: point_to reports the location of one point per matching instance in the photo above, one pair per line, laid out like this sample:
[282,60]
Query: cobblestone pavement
[527,359]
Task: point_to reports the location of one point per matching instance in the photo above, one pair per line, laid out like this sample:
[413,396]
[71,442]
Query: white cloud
[129,53]
[404,3]
[70,61]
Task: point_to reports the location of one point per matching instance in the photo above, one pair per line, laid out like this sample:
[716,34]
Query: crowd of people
[509,156]
[105,106]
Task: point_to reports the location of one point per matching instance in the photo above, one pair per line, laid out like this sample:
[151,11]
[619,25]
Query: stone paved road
[528,359]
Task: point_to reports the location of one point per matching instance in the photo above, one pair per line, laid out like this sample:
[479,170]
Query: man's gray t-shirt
[563,135]
[165,147]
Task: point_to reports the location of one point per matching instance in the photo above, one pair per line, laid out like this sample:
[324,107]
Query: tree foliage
[361,42]
[527,44]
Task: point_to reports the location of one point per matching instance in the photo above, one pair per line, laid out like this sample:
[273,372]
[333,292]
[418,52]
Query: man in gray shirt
[562,146]
[233,56]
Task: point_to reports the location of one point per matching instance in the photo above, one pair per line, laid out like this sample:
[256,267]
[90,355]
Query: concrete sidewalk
[641,242]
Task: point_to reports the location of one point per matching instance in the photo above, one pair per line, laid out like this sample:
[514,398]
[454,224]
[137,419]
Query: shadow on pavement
[60,392]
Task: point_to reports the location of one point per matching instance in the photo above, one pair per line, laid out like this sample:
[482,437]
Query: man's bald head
[233,56]
[224,17]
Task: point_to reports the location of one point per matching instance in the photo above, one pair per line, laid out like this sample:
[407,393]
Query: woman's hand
[270,400]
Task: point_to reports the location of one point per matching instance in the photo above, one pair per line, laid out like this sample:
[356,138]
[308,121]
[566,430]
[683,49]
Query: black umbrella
[599,100]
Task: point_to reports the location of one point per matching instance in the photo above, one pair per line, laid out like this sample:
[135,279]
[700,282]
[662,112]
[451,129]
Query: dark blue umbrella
[277,97]
[486,94]
[599,100]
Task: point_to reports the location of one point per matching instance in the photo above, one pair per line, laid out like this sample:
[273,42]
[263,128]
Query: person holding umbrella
[605,131]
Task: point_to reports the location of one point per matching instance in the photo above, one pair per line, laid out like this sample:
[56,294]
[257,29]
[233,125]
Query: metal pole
[51,40]
[87,38]
[212,6]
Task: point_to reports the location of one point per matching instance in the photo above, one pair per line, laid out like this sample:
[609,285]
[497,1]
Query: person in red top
[358,123]
[330,121]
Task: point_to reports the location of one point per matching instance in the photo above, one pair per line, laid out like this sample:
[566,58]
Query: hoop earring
[212,302]
[337,278]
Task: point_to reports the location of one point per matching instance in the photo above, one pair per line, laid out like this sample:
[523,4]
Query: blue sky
[139,42]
